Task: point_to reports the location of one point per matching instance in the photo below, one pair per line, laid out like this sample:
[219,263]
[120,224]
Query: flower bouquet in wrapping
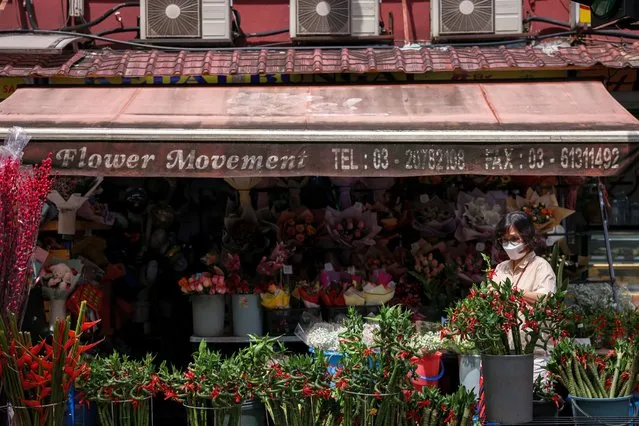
[429,407]
[435,218]
[297,229]
[121,389]
[333,286]
[380,288]
[586,374]
[308,292]
[478,214]
[352,227]
[469,265]
[544,210]
[59,278]
[440,281]
[213,387]
[36,378]
[380,257]
[246,234]
[204,283]
[276,296]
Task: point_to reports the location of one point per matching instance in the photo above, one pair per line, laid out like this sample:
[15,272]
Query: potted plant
[598,385]
[429,407]
[295,389]
[506,330]
[427,347]
[212,389]
[546,401]
[372,377]
[36,378]
[121,389]
[245,300]
[207,290]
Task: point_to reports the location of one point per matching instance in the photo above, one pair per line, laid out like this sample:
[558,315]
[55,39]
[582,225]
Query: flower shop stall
[346,224]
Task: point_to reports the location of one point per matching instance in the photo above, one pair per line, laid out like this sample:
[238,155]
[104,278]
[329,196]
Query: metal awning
[539,128]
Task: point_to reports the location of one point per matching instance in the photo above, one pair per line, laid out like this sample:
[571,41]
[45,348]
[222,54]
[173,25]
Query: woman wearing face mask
[526,271]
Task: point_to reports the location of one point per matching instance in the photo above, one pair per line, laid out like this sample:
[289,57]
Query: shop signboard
[330,159]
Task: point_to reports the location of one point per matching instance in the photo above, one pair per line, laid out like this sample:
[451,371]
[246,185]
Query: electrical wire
[266,33]
[614,33]
[547,21]
[119,30]
[33,22]
[101,18]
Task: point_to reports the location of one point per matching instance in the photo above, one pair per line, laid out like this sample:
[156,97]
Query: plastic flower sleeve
[14,143]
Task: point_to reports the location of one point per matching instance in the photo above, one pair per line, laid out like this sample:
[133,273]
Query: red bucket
[430,369]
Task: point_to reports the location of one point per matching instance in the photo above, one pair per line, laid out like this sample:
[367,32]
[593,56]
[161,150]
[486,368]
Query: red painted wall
[261,16]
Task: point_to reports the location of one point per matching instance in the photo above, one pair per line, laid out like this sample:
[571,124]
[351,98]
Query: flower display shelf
[242,339]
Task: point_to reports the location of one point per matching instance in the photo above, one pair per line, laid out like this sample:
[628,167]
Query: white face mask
[515,251]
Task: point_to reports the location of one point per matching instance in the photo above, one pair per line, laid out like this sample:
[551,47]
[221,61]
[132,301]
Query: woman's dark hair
[524,226]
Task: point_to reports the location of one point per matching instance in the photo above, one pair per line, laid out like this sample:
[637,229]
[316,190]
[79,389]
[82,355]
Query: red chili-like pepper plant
[37,378]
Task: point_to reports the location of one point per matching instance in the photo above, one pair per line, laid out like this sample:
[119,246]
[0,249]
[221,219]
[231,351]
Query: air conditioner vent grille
[323,17]
[173,19]
[467,16]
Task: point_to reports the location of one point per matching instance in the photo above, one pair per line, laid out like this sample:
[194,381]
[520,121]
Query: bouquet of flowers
[296,229]
[309,293]
[121,388]
[36,378]
[478,214]
[380,289]
[353,227]
[588,375]
[204,283]
[340,289]
[59,278]
[435,218]
[469,266]
[544,210]
[276,296]
[495,311]
[425,343]
[440,282]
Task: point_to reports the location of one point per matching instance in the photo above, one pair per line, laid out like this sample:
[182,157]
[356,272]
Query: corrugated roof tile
[137,63]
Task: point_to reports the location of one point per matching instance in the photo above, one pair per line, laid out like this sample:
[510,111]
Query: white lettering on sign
[109,161]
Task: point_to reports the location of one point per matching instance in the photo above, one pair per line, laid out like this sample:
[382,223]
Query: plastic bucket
[333,359]
[247,315]
[430,369]
[508,388]
[601,407]
[252,414]
[208,315]
[470,372]
[544,409]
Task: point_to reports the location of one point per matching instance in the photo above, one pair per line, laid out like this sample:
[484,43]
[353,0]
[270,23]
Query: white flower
[427,342]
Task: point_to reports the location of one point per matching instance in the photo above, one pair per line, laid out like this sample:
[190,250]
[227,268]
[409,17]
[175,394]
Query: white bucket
[208,315]
[469,372]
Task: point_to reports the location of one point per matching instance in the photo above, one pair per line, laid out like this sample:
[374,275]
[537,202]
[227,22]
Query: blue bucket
[602,407]
[333,359]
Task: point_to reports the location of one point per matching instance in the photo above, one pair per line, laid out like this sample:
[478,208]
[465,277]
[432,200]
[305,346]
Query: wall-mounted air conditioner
[456,17]
[186,19]
[359,18]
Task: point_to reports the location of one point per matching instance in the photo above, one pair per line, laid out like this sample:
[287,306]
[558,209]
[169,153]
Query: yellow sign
[10,84]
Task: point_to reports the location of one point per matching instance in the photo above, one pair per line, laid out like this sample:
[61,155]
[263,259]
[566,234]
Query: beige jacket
[533,274]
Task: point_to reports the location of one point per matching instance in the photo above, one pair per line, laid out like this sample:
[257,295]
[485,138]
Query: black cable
[266,33]
[118,30]
[614,33]
[547,21]
[101,18]
[516,41]
[33,22]
[170,48]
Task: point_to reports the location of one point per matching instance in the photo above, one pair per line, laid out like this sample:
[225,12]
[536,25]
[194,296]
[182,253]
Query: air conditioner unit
[455,17]
[183,19]
[358,18]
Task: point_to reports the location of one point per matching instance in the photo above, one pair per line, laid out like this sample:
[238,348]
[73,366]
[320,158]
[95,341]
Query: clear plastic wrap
[14,143]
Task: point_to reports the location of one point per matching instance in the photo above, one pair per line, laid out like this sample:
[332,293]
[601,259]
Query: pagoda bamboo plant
[372,378]
[586,374]
[430,408]
[212,389]
[121,389]
[295,389]
[36,378]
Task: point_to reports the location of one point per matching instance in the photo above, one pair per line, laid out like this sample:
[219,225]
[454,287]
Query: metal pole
[604,223]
